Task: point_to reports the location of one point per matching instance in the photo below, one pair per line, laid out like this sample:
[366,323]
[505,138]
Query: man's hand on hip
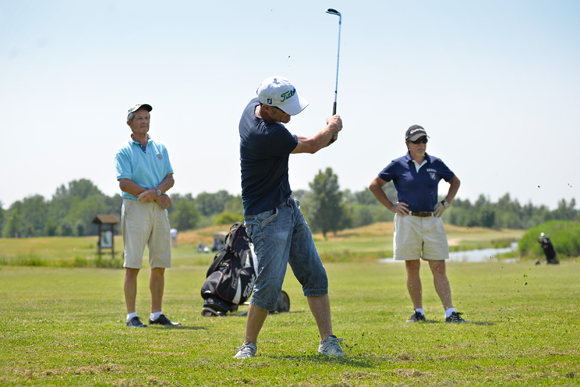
[440,208]
[400,208]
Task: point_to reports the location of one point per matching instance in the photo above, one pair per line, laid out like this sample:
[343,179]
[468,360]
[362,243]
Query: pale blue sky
[496,84]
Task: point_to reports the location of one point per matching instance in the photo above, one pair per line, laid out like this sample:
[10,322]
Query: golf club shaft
[335,137]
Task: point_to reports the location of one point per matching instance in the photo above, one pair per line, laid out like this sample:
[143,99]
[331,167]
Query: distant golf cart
[219,241]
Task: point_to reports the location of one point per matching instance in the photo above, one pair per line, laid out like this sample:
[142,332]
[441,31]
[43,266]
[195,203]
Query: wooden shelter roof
[106,219]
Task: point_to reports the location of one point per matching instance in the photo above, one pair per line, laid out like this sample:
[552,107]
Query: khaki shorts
[417,237]
[145,224]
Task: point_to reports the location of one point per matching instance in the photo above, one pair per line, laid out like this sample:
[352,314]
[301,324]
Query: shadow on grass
[485,323]
[357,360]
[179,327]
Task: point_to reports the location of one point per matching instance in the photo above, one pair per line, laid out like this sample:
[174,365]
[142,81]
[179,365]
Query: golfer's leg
[156,285]
[320,308]
[256,318]
[441,283]
[130,287]
[414,282]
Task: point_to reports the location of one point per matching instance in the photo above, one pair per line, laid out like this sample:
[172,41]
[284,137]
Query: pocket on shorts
[268,217]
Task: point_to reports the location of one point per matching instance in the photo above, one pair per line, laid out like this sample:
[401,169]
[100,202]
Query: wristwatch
[158,193]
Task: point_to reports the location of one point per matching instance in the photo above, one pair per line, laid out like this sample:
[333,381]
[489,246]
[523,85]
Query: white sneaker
[246,351]
[331,346]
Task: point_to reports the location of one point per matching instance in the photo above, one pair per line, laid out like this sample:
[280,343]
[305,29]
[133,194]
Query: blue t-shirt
[264,152]
[417,189]
[148,169]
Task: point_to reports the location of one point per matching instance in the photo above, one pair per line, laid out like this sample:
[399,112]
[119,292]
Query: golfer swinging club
[273,219]
[419,230]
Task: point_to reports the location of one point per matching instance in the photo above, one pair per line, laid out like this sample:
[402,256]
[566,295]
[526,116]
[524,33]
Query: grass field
[65,326]
[362,244]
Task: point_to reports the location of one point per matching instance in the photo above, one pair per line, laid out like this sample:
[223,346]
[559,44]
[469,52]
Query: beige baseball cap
[279,92]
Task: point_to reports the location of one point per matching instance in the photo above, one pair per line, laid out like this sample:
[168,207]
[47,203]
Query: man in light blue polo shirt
[419,231]
[144,174]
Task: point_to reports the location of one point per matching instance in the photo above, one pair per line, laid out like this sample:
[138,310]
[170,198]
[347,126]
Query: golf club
[336,13]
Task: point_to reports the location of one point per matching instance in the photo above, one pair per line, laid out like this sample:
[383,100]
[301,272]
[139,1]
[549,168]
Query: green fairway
[63,326]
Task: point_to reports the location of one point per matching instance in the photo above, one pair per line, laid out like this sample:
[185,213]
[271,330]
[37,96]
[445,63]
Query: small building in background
[106,224]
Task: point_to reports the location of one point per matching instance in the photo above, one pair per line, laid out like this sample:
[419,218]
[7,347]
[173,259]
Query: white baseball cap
[278,91]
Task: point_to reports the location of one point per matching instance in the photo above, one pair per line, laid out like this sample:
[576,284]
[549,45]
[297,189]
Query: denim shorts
[281,236]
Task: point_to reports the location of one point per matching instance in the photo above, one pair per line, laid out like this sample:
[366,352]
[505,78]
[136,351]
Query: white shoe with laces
[246,351]
[331,346]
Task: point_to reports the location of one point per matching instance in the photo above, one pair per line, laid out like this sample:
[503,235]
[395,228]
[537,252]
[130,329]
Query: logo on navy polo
[159,156]
[432,173]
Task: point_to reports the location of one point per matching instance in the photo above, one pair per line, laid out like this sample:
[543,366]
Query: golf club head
[333,12]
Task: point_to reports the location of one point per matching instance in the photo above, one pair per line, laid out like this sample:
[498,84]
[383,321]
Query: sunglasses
[421,140]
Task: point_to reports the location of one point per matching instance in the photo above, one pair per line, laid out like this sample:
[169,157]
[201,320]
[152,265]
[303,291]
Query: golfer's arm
[316,142]
[453,188]
[129,186]
[166,184]
[376,188]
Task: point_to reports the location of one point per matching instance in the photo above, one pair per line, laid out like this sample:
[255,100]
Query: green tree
[184,215]
[327,212]
[1,219]
[80,228]
[211,204]
[235,206]
[50,227]
[65,228]
[228,217]
[14,226]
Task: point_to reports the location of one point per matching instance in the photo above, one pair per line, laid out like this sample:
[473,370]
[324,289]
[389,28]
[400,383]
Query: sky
[495,83]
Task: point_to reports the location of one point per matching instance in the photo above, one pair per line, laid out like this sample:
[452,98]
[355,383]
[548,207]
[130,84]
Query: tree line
[325,206]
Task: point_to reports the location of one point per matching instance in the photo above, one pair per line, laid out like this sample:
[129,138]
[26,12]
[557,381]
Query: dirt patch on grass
[83,370]
[411,373]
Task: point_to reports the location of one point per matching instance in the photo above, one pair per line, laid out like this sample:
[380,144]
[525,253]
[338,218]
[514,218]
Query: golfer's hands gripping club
[440,208]
[335,124]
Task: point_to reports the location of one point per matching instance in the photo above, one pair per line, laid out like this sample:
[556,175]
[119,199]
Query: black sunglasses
[421,140]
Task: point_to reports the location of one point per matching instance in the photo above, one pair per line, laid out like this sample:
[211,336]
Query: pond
[482,255]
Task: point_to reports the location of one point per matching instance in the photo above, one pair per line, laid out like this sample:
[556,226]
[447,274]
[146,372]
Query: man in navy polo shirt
[144,174]
[419,231]
[273,219]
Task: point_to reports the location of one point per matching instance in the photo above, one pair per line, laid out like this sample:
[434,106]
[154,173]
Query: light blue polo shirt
[146,168]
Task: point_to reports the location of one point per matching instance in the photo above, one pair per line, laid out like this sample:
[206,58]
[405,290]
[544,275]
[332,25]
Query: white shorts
[145,224]
[417,237]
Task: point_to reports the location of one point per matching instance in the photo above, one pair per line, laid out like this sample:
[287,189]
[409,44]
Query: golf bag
[230,278]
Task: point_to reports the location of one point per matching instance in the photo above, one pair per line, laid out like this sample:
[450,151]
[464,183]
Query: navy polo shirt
[264,152]
[417,189]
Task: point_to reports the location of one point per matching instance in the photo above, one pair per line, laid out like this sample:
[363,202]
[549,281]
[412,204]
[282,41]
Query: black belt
[421,214]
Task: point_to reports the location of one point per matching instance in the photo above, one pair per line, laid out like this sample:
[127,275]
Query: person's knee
[413,267]
[437,267]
